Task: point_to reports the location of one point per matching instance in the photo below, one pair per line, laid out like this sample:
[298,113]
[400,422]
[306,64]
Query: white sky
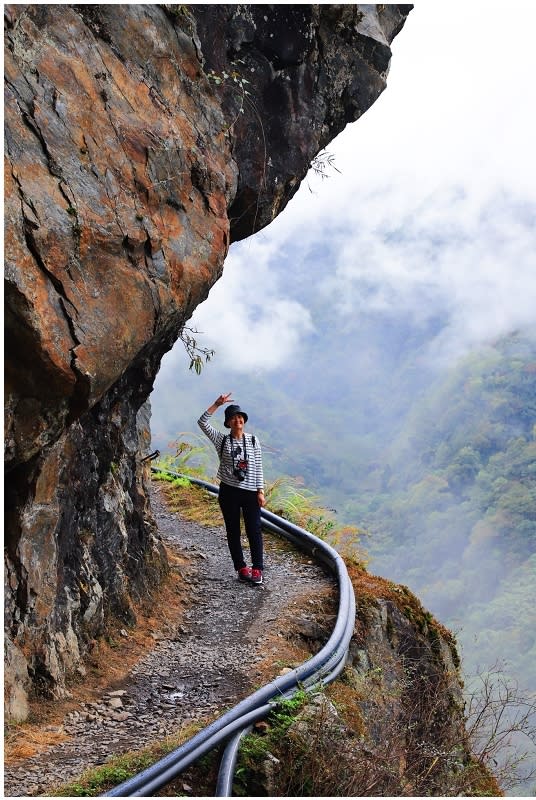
[435,206]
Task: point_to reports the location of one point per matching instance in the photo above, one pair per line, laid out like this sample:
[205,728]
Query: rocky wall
[140,140]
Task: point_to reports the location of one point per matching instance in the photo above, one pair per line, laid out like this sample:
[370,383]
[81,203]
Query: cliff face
[140,141]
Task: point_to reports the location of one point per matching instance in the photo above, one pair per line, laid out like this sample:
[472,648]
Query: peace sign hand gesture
[223,398]
[220,401]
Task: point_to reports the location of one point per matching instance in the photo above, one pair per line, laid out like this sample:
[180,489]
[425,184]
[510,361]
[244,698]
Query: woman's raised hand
[222,399]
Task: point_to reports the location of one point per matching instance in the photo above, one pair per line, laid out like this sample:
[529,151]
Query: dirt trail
[232,638]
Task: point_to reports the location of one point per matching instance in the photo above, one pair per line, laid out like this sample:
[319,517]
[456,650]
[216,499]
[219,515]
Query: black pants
[232,501]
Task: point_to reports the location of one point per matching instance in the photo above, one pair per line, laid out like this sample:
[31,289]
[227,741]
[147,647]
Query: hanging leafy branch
[322,163]
[195,352]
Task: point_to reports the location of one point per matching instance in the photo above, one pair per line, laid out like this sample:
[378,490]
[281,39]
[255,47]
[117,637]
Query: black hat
[230,411]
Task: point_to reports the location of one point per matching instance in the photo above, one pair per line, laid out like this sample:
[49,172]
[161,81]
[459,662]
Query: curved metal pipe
[328,661]
[153,782]
[216,732]
[224,785]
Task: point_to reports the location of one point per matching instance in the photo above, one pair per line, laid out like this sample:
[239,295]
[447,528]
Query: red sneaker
[256,576]
[244,574]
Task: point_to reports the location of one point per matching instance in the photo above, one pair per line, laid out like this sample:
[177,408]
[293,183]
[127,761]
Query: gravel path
[208,662]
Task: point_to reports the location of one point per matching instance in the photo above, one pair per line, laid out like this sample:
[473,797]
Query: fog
[432,211]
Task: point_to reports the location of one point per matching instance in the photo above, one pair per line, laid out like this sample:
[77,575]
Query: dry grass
[31,741]
[113,656]
[193,503]
[348,700]
[198,505]
[290,649]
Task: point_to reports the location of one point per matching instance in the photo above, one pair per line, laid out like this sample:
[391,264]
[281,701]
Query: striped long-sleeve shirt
[254,479]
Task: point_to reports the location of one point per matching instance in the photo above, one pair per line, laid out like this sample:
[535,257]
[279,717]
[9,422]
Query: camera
[240,470]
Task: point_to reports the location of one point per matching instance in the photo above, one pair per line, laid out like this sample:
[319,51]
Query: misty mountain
[452,504]
[312,416]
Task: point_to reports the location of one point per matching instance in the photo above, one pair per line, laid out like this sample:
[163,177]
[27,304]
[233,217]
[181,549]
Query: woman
[241,485]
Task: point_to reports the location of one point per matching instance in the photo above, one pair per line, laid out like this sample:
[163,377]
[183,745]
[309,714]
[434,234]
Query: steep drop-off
[140,141]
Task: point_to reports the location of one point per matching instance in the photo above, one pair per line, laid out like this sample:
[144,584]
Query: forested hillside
[452,504]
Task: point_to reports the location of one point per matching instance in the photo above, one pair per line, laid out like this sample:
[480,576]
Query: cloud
[433,212]
[474,266]
[248,317]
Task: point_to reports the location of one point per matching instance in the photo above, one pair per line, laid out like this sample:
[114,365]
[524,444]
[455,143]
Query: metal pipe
[156,779]
[329,661]
[224,785]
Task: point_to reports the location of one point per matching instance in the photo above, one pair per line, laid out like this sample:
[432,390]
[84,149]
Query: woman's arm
[214,435]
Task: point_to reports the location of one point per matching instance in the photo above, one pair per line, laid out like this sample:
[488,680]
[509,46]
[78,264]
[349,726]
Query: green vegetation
[186,459]
[284,497]
[343,744]
[100,779]
[453,511]
[287,498]
[438,466]
[255,747]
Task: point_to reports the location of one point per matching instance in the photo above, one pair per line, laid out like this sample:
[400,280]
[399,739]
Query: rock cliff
[141,140]
[395,718]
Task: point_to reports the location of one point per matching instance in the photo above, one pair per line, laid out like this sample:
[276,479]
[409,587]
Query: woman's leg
[229,500]
[252,522]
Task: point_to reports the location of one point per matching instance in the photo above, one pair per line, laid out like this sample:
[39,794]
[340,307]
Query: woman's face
[236,423]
